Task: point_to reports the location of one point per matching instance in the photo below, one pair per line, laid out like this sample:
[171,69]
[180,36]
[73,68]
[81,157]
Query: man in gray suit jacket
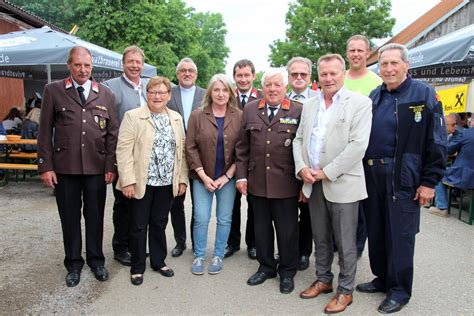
[328,150]
[185,97]
[299,76]
[130,93]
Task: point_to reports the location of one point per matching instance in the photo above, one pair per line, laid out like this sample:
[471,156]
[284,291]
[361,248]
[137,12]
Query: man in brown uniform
[76,156]
[265,170]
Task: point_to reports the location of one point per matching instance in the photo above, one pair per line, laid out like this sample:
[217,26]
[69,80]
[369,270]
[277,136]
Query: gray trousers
[338,222]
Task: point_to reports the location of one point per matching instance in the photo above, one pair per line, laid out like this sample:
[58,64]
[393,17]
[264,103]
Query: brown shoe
[315,289]
[338,303]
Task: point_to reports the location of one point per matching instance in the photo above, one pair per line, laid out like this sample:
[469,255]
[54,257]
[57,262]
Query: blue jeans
[441,196]
[202,215]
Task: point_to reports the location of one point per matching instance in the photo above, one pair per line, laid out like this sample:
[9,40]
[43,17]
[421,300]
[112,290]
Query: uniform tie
[244,102]
[80,89]
[272,112]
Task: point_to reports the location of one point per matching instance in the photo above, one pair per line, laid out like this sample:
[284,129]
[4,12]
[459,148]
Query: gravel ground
[32,273]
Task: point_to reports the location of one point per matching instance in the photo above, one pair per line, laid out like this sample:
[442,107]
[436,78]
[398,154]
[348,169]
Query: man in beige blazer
[328,150]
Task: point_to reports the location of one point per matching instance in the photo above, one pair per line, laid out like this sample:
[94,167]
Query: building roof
[26,17]
[424,24]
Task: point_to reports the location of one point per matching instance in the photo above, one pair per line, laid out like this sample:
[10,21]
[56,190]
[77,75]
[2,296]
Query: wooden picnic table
[9,153]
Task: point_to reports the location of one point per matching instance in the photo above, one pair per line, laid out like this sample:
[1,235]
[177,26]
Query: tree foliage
[166,30]
[318,27]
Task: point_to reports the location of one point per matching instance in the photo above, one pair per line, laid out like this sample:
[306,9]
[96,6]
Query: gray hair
[299,59]
[329,57]
[402,48]
[275,71]
[185,60]
[207,99]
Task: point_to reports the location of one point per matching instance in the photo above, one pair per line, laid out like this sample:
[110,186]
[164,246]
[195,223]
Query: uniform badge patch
[417,111]
[287,142]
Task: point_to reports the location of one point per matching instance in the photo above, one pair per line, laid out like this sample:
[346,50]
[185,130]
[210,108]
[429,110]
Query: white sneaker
[440,212]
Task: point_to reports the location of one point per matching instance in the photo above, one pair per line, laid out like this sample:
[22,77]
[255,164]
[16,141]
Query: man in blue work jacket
[404,161]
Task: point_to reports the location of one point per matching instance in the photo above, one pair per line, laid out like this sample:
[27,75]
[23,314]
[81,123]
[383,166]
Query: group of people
[304,159]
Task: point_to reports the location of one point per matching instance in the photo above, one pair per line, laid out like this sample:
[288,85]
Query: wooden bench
[22,155]
[16,167]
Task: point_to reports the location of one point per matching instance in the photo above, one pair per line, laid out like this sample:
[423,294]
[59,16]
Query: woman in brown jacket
[210,149]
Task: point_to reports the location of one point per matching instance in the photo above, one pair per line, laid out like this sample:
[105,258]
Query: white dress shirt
[318,135]
[87,87]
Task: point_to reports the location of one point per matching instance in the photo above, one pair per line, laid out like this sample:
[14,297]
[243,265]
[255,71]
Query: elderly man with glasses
[185,97]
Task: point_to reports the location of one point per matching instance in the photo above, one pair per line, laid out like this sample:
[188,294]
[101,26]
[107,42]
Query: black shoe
[166,273]
[178,250]
[252,252]
[229,251]
[137,280]
[124,258]
[259,278]
[287,285]
[368,288]
[303,263]
[389,306]
[73,278]
[100,273]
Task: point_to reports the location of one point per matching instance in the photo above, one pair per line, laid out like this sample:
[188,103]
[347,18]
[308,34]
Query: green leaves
[166,30]
[318,27]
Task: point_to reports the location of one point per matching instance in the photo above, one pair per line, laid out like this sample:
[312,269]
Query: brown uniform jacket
[254,95]
[264,150]
[77,139]
[201,140]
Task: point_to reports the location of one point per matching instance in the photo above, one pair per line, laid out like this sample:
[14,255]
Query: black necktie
[272,113]
[298,97]
[80,89]
[243,100]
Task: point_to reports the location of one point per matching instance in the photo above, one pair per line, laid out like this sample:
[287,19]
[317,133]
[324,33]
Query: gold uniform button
[83,145]
[83,133]
[268,142]
[268,155]
[83,110]
[83,121]
[269,129]
[268,167]
[287,130]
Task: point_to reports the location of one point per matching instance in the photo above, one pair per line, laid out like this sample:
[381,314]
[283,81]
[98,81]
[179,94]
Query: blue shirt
[218,171]
[187,98]
[383,139]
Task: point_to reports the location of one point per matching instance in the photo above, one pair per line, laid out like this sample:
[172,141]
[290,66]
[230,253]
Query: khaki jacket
[134,148]
[201,141]
[347,137]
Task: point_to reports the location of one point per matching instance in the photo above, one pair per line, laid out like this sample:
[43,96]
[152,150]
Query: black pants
[178,218]
[391,229]
[149,213]
[120,219]
[235,235]
[88,192]
[283,213]
[305,236]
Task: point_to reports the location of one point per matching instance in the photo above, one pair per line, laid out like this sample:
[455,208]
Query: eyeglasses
[160,93]
[184,70]
[295,75]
